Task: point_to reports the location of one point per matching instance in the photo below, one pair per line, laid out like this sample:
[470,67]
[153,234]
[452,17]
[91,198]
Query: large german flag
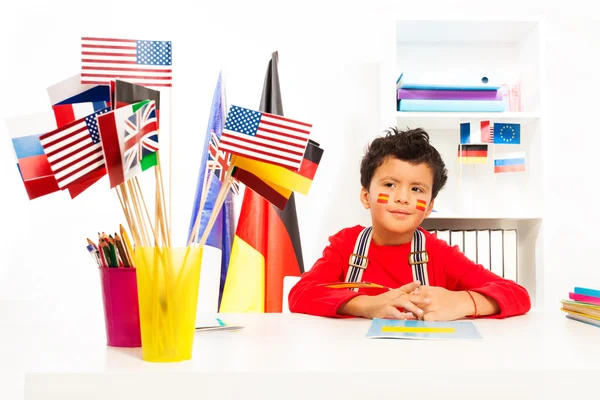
[266,246]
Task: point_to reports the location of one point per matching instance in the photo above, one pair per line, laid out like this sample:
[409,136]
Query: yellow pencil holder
[167,279]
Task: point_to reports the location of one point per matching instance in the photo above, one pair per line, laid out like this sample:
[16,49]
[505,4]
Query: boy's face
[399,198]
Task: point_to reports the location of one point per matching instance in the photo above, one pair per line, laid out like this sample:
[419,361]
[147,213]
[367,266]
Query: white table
[291,356]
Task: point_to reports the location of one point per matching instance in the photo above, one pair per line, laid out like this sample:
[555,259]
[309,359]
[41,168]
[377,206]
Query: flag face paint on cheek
[383,198]
[421,204]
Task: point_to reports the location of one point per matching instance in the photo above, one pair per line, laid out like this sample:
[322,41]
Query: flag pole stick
[129,212]
[195,229]
[170,218]
[160,221]
[217,208]
[136,186]
[138,213]
[124,207]
[167,222]
[213,217]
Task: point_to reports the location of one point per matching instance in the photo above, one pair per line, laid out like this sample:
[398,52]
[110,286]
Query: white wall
[46,277]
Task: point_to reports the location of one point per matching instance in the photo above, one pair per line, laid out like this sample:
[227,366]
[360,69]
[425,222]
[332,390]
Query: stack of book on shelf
[583,305]
[471,93]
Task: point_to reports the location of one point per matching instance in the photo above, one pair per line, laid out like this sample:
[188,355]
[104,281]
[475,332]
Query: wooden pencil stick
[121,251]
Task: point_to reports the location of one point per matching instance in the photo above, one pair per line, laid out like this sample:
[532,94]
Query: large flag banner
[75,152]
[266,246]
[129,138]
[145,62]
[265,137]
[31,160]
[215,256]
[71,90]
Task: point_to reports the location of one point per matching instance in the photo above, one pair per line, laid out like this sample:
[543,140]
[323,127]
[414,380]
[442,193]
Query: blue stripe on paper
[508,162]
[27,146]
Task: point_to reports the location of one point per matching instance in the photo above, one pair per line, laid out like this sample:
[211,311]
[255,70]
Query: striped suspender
[358,261]
[417,259]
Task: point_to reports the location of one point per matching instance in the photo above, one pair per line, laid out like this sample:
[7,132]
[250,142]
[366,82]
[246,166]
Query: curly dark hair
[411,146]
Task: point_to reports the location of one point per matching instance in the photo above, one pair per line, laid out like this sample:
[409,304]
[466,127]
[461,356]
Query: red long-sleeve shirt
[448,267]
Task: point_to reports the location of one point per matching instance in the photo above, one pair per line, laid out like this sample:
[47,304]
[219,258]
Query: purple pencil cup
[121,310]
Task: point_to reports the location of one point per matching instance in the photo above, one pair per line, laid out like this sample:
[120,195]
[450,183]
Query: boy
[401,175]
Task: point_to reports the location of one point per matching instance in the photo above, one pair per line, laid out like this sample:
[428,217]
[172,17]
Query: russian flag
[32,162]
[511,162]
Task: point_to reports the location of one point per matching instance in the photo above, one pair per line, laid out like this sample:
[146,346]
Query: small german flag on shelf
[472,153]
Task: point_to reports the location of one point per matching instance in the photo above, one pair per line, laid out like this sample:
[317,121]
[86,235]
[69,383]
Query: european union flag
[507,133]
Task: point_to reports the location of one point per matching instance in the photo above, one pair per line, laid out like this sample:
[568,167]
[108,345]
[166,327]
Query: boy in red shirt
[401,175]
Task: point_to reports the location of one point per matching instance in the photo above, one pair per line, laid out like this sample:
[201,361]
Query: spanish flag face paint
[421,205]
[383,198]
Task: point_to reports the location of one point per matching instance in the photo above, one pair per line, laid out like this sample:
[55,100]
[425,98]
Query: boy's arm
[308,298]
[490,291]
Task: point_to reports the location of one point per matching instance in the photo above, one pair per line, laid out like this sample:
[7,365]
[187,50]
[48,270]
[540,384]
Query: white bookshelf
[450,120]
[475,197]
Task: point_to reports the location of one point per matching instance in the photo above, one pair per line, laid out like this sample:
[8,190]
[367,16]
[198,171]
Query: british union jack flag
[219,162]
[141,138]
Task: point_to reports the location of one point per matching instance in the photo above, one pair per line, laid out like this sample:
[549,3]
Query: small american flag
[265,137]
[143,62]
[74,150]
[219,162]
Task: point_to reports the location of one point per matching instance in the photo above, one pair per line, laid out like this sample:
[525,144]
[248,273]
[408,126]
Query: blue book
[587,291]
[451,105]
[584,319]
[416,329]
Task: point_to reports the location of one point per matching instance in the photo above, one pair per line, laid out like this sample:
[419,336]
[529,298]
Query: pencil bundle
[112,251]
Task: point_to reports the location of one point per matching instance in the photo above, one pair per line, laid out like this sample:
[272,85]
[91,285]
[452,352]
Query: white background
[325,48]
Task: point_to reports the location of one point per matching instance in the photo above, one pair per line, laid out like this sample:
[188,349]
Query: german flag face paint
[421,204]
[383,198]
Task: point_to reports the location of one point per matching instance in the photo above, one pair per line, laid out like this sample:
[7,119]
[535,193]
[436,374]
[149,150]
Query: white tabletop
[294,356]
